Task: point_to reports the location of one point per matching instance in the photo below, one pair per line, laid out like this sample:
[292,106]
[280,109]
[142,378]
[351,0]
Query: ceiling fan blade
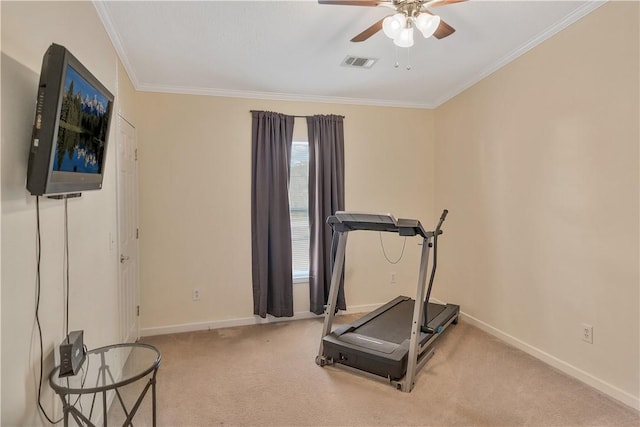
[443,30]
[352,2]
[368,32]
[436,3]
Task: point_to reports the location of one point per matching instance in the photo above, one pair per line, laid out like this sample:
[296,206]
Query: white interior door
[127,153]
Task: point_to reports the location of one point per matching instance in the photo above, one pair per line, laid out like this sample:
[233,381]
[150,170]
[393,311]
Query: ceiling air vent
[356,62]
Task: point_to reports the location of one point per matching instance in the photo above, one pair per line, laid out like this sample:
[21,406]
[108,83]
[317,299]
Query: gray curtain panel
[271,140]
[326,196]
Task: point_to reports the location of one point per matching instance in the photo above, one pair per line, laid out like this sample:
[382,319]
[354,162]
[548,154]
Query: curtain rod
[298,117]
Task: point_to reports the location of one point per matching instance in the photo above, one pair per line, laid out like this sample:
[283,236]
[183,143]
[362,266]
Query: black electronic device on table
[72,354]
[394,341]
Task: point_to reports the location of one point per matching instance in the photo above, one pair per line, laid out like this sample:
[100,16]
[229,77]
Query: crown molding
[113,34]
[274,96]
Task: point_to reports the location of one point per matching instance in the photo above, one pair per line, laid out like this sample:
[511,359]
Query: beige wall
[538,164]
[0,229]
[92,218]
[195,170]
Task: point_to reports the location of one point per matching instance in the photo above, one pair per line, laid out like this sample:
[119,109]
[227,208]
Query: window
[299,209]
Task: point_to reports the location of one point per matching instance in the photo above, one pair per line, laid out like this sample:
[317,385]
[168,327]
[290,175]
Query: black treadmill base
[378,343]
[386,368]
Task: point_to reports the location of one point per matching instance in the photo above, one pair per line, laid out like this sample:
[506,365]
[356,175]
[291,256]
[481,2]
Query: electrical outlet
[587,333]
[195,295]
[392,278]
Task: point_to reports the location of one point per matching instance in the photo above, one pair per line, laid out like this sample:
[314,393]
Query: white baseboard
[600,385]
[244,321]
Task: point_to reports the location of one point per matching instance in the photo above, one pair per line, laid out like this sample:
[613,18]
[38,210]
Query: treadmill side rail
[333,293]
[414,348]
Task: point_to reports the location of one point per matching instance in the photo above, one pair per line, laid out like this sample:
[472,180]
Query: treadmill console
[361,217]
[377,222]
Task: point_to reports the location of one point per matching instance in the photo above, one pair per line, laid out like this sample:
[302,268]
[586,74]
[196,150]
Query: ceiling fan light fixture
[405,38]
[392,25]
[427,24]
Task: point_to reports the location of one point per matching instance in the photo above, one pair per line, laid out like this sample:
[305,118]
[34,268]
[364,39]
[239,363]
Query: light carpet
[265,375]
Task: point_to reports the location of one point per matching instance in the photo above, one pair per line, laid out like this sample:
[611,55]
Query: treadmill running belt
[394,325]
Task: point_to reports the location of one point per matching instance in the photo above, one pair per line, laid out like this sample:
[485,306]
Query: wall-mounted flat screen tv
[71,127]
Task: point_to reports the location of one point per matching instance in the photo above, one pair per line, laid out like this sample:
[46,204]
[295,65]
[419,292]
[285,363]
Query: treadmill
[395,341]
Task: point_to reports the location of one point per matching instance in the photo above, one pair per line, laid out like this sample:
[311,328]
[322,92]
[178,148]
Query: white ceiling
[292,50]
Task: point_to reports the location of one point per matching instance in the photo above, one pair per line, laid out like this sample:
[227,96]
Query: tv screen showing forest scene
[83,126]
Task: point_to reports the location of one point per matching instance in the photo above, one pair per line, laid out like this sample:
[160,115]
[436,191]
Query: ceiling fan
[399,26]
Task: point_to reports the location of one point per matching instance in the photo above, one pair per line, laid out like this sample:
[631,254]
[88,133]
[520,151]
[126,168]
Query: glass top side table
[105,369]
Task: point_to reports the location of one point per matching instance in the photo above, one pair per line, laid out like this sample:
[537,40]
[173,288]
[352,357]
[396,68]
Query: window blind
[299,208]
